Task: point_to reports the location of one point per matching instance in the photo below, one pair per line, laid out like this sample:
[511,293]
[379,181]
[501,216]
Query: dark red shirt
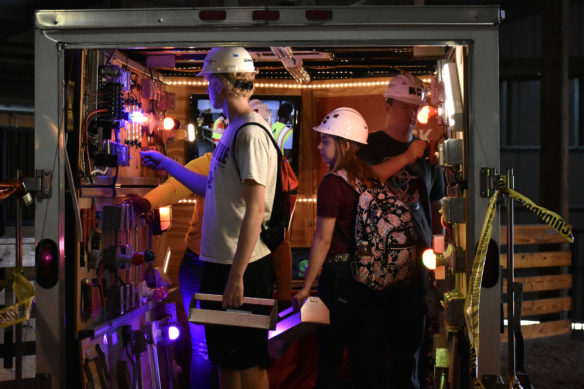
[337,199]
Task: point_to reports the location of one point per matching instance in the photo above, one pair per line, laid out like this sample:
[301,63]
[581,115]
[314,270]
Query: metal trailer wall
[56,31]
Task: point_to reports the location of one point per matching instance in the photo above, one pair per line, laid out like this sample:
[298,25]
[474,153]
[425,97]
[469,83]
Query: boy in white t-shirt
[238,200]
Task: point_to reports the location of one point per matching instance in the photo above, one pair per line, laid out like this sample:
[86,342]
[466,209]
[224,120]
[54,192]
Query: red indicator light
[47,263]
[265,15]
[211,15]
[319,14]
[45,256]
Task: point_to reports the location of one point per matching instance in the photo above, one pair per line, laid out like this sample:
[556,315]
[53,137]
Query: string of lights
[187,201]
[306,200]
[299,200]
[319,85]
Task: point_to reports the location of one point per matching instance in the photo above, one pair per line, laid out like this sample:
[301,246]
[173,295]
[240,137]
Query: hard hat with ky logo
[405,88]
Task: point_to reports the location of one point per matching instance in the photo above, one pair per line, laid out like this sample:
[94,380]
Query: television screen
[299,262]
[283,115]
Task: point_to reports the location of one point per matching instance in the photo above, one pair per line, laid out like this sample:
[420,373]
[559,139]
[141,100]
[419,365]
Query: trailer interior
[121,100]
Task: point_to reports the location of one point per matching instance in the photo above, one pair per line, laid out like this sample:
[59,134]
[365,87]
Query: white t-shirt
[224,203]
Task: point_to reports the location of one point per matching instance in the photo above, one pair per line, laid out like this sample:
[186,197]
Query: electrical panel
[122,313]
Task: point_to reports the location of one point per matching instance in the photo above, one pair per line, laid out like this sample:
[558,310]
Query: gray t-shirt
[224,203]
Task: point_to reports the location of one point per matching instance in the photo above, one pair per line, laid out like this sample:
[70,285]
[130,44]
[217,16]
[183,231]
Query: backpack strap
[234,155]
[358,185]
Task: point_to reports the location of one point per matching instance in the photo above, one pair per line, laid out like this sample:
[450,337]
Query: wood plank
[177,150]
[16,120]
[303,224]
[540,259]
[8,252]
[543,306]
[532,234]
[236,319]
[297,284]
[550,328]
[541,283]
[246,300]
[302,230]
[175,238]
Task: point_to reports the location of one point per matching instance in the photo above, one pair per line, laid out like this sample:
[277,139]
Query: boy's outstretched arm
[197,183]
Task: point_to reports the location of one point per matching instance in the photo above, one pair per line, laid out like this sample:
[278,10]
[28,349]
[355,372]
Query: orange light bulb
[168,123]
[425,113]
[429,259]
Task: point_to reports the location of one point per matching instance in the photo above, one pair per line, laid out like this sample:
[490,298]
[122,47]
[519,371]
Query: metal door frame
[56,31]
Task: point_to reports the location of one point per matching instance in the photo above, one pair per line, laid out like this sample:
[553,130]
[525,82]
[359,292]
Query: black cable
[121,283]
[114,181]
[133,366]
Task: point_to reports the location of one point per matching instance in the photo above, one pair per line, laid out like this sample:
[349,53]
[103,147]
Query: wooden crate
[553,264]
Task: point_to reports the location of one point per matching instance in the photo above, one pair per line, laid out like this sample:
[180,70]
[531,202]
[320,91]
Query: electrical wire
[119,280]
[98,171]
[133,366]
[85,134]
[94,139]
[115,180]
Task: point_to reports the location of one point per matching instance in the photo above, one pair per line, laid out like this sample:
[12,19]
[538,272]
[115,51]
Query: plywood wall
[316,103]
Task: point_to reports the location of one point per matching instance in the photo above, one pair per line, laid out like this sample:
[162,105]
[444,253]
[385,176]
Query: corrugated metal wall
[520,49]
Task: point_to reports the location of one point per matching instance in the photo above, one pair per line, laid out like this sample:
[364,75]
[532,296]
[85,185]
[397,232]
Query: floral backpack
[385,252]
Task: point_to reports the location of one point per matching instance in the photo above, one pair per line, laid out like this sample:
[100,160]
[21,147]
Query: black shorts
[238,347]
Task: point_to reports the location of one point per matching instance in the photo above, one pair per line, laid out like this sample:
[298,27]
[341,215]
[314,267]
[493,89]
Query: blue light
[137,117]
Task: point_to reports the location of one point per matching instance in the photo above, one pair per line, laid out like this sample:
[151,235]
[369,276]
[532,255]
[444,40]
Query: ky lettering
[424,134]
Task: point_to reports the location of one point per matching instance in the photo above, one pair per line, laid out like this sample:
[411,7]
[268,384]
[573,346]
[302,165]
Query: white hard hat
[346,123]
[227,60]
[262,109]
[405,88]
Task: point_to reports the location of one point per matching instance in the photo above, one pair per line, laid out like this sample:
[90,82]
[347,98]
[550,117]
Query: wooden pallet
[555,262]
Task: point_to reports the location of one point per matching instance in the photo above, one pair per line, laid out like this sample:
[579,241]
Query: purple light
[285,324]
[173,332]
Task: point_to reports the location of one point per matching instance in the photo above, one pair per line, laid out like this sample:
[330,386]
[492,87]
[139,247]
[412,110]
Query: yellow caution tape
[471,303]
[19,312]
[478,384]
[16,313]
[22,287]
[552,219]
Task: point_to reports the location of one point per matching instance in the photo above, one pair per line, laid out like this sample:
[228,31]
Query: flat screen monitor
[285,131]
